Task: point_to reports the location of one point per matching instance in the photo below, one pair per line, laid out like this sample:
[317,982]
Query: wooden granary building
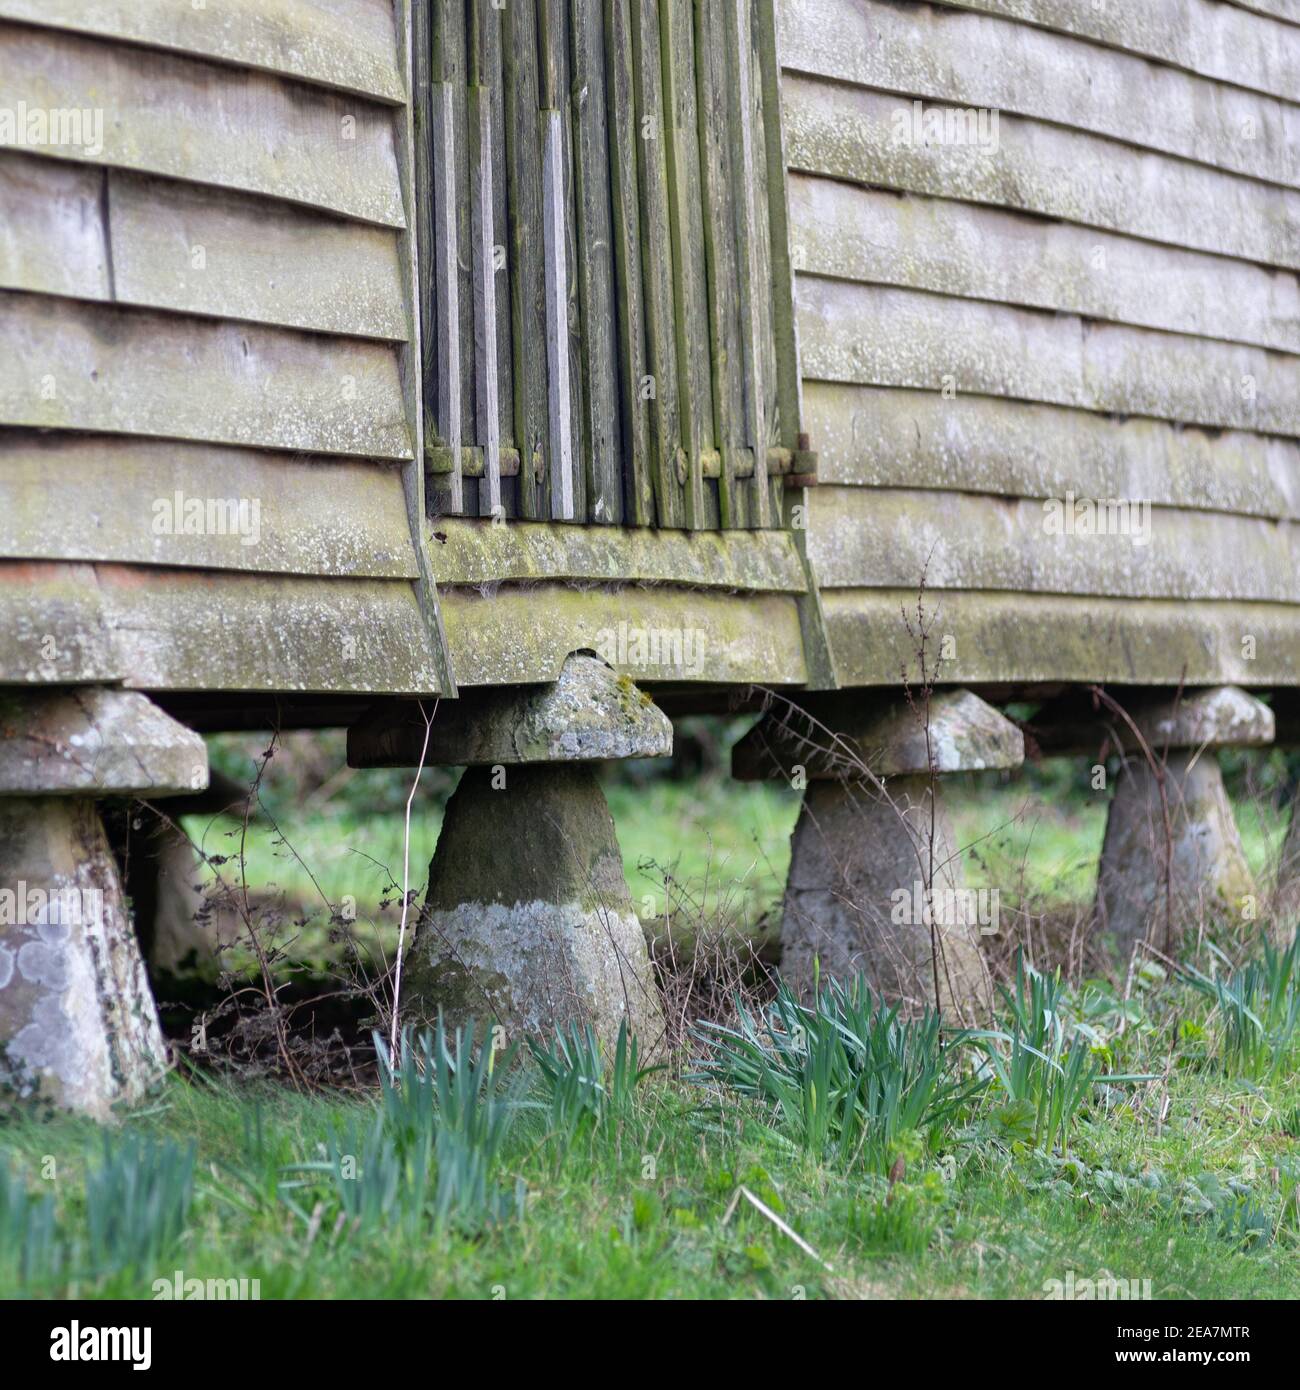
[518,355]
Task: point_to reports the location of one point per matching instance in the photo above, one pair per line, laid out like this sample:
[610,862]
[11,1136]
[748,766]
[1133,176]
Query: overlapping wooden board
[107,369]
[159,113]
[1026,638]
[867,137]
[470,552]
[523,634]
[349,44]
[207,251]
[1067,544]
[94,497]
[969,59]
[194,249]
[1222,41]
[51,232]
[889,337]
[885,437]
[162,629]
[966,250]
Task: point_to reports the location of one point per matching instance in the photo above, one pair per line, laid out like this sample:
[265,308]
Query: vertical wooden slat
[559,402]
[485,306]
[626,221]
[764,285]
[728,385]
[446,239]
[492,76]
[422,159]
[657,265]
[690,305]
[577,328]
[788,386]
[740,53]
[414,53]
[527,262]
[456,61]
[602,435]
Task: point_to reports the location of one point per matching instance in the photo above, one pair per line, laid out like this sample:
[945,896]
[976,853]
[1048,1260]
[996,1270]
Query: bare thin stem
[406,876]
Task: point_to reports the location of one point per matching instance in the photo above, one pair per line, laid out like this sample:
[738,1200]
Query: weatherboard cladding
[1091,299]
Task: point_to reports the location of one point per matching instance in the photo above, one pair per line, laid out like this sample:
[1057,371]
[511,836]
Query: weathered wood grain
[52,626]
[469,552]
[891,538]
[491,28]
[128,371]
[91,497]
[485,299]
[448,411]
[410,355]
[51,228]
[527,262]
[595,265]
[875,437]
[624,139]
[200,630]
[559,398]
[753,287]
[561,37]
[764,166]
[848,133]
[201,250]
[978,252]
[785,342]
[349,44]
[657,266]
[979,60]
[163,114]
[1202,36]
[452,42]
[1277,9]
[686,220]
[525,633]
[889,337]
[720,192]
[1025,638]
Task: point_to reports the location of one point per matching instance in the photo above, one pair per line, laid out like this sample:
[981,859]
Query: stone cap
[886,736]
[1221,717]
[590,714]
[95,741]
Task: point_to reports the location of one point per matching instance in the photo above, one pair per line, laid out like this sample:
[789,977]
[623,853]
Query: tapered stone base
[78,1026]
[528,922]
[1209,878]
[856,900]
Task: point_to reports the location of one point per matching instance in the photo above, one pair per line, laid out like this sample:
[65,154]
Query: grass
[633,1194]
[907,1162]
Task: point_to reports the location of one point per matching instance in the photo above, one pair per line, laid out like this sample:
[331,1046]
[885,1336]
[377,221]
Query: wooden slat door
[605,278]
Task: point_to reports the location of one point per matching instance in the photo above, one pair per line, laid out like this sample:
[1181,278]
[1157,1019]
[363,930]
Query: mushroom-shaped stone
[1172,857]
[78,1025]
[889,738]
[590,714]
[1222,717]
[95,741]
[876,884]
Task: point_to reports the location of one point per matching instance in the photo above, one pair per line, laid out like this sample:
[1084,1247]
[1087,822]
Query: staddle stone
[527,921]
